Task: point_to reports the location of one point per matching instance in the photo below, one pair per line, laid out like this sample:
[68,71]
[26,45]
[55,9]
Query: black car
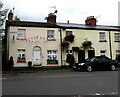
[95,63]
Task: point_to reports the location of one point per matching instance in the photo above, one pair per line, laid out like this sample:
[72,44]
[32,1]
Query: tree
[3,14]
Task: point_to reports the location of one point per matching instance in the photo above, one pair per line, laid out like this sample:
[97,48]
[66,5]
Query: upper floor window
[68,32]
[102,37]
[21,33]
[50,34]
[117,36]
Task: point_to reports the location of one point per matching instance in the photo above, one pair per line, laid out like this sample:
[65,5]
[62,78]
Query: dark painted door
[81,56]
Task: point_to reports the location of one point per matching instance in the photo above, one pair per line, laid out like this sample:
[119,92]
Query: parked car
[95,63]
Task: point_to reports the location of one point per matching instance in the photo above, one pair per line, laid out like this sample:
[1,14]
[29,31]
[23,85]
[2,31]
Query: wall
[32,32]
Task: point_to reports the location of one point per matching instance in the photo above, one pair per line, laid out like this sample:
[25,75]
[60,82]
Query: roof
[92,27]
[31,24]
[62,25]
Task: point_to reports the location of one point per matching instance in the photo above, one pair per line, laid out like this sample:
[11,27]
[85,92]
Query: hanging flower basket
[64,44]
[87,44]
[69,38]
[75,48]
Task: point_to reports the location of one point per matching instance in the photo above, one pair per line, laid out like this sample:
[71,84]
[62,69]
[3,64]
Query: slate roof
[83,26]
[62,25]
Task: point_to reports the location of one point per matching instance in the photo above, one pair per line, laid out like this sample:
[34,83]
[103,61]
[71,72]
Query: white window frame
[52,54]
[117,52]
[21,52]
[102,36]
[117,36]
[21,33]
[69,52]
[68,32]
[50,34]
[103,52]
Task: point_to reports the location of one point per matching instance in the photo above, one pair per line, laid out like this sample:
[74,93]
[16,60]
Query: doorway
[37,55]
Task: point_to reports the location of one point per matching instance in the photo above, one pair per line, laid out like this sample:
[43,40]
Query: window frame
[53,54]
[117,37]
[103,54]
[21,34]
[50,34]
[69,32]
[102,37]
[20,53]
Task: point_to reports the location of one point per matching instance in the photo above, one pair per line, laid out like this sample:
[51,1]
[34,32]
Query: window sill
[102,40]
[51,39]
[21,38]
[116,41]
[21,62]
[52,64]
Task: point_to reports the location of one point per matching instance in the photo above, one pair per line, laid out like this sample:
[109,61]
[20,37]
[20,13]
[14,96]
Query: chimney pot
[51,18]
[10,15]
[90,20]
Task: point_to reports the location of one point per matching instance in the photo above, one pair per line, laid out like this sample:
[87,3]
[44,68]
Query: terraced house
[48,44]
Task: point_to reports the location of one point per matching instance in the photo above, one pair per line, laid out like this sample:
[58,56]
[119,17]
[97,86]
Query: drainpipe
[60,44]
[110,45]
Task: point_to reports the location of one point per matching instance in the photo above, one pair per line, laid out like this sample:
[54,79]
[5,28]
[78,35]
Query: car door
[99,63]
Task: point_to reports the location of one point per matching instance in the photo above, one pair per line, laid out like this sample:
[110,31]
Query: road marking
[3,78]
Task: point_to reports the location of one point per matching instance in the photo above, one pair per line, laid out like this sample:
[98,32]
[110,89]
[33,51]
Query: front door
[81,56]
[36,56]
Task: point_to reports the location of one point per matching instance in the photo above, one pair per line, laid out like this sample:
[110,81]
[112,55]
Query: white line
[3,78]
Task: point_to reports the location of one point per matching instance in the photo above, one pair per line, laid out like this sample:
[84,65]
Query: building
[47,44]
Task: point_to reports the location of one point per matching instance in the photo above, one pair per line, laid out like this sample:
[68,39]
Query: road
[61,83]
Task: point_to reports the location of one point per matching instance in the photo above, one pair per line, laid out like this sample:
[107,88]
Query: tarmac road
[61,83]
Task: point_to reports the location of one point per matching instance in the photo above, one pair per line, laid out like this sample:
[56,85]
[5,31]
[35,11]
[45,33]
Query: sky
[76,11]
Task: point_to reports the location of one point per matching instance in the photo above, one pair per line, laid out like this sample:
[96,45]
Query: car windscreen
[89,59]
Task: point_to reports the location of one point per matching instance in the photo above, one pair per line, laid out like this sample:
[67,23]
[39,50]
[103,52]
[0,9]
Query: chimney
[90,20]
[51,18]
[10,15]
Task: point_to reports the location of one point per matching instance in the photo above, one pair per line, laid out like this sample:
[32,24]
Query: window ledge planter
[69,38]
[87,44]
[50,61]
[51,39]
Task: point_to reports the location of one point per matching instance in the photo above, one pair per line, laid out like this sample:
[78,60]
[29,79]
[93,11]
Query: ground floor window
[52,57]
[103,52]
[21,55]
[118,55]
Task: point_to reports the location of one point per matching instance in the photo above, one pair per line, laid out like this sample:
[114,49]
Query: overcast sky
[75,11]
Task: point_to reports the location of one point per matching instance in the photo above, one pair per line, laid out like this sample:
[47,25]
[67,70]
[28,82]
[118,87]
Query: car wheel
[113,68]
[89,68]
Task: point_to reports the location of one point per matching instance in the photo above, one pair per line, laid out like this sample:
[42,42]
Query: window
[69,51]
[52,54]
[52,57]
[50,34]
[117,36]
[102,37]
[21,33]
[68,32]
[118,55]
[21,55]
[103,52]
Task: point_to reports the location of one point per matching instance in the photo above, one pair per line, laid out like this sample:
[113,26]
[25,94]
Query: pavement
[38,70]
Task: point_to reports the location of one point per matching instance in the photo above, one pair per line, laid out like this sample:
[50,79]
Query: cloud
[75,11]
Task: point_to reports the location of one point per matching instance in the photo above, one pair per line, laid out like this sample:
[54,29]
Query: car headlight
[81,64]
